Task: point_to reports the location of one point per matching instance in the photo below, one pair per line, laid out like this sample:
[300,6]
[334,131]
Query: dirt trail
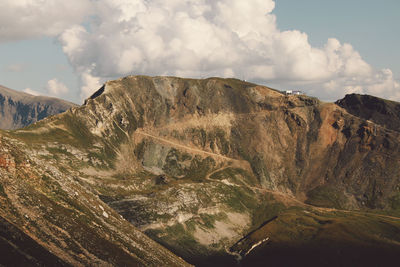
[322,208]
[293,199]
[241,163]
[213,172]
[191,149]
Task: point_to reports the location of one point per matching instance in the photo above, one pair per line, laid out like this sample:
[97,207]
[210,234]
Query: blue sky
[69,62]
[372,27]
[36,62]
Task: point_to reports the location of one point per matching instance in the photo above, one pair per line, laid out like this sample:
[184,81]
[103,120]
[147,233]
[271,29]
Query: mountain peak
[378,110]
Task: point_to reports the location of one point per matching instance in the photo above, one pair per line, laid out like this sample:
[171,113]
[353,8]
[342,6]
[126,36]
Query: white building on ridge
[291,92]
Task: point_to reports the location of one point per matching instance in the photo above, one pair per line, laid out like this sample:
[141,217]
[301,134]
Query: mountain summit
[219,171]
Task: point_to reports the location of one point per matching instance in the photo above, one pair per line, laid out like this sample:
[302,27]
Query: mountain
[48,217]
[18,109]
[219,171]
[380,111]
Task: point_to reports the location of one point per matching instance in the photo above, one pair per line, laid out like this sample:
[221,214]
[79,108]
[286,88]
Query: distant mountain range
[19,109]
[220,172]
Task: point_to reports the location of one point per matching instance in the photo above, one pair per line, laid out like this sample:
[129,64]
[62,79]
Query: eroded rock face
[380,111]
[292,144]
[18,109]
[198,164]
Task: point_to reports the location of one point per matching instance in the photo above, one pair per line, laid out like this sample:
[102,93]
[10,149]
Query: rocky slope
[380,111]
[48,218]
[201,166]
[18,109]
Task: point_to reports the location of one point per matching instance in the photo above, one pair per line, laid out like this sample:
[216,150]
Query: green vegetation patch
[240,199]
[209,220]
[179,239]
[327,196]
[191,225]
[78,130]
[266,210]
[199,168]
[173,162]
[50,135]
[76,133]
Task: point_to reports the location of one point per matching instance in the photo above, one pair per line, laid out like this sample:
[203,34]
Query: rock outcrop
[381,111]
[48,218]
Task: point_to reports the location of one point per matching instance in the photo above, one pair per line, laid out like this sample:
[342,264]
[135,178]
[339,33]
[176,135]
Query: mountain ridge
[199,164]
[373,108]
[19,109]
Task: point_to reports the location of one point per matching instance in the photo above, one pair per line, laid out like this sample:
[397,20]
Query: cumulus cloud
[192,38]
[22,19]
[53,88]
[89,84]
[199,38]
[31,92]
[56,88]
[379,83]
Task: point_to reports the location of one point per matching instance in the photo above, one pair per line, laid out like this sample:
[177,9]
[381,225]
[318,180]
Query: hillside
[48,218]
[380,111]
[18,109]
[216,170]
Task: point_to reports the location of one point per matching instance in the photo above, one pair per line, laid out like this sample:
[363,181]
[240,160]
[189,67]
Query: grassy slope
[317,238]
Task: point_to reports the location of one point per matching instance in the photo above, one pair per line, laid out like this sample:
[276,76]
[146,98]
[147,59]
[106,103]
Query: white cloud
[191,38]
[90,84]
[214,38]
[22,19]
[53,88]
[56,88]
[31,92]
[379,83]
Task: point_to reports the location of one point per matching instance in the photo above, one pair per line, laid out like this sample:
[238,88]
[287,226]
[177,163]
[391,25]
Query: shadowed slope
[18,109]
